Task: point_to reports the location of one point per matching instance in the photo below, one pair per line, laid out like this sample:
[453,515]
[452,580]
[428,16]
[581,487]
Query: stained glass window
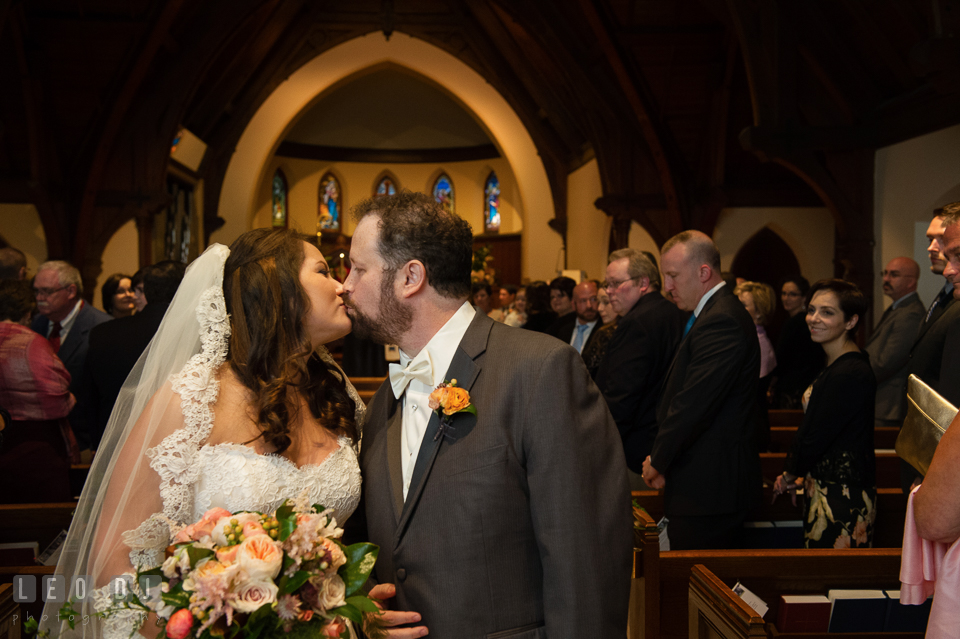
[491,204]
[386,186]
[279,209]
[443,192]
[330,209]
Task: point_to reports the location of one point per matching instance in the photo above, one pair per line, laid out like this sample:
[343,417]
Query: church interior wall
[809,232]
[911,179]
[23,229]
[357,181]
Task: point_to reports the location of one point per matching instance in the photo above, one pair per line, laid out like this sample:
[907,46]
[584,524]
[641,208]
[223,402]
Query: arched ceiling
[387,109]
[688,105]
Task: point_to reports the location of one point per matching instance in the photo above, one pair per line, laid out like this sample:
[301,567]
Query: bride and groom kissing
[510,519]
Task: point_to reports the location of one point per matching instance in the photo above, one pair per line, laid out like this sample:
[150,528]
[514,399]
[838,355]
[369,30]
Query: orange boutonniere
[448,400]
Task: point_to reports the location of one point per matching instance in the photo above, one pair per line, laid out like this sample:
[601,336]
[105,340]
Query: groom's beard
[392,321]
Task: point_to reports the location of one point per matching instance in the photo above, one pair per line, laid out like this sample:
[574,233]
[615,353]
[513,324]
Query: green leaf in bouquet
[287,519]
[196,554]
[363,603]
[290,585]
[261,619]
[360,561]
[285,510]
[319,508]
[176,599]
[153,572]
[348,612]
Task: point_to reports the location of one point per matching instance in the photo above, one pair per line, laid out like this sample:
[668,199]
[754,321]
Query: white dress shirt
[707,296]
[415,408]
[66,324]
[586,333]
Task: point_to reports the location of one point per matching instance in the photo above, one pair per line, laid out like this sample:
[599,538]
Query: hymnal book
[903,618]
[803,613]
[759,605]
[857,610]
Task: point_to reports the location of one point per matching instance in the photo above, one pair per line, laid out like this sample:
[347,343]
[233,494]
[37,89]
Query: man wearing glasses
[639,354]
[66,320]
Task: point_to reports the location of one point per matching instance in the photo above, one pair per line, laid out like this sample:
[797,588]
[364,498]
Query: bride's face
[327,319]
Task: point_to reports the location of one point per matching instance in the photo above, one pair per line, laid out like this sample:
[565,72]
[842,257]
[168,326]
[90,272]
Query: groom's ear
[412,278]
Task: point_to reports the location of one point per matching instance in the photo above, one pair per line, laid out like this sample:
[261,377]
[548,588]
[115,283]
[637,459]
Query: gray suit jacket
[518,524]
[889,350]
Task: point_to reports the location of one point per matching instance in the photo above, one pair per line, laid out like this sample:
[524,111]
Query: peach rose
[252,529]
[202,528]
[253,594]
[337,558]
[450,398]
[208,567]
[220,537]
[178,626]
[228,555]
[261,557]
[334,628]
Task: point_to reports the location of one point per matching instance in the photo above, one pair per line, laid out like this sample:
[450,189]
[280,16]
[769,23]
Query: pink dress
[931,568]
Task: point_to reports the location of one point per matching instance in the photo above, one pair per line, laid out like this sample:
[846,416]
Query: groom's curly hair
[270,350]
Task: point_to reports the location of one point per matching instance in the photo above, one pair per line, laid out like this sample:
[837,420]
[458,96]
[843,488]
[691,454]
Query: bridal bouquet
[260,577]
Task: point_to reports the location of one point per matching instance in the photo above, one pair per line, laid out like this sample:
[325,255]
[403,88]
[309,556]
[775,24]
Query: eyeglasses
[612,285]
[47,292]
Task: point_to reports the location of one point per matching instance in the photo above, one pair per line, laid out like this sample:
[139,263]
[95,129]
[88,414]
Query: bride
[235,403]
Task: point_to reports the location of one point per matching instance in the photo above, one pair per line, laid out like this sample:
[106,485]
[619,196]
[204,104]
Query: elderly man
[638,356]
[475,512]
[66,320]
[889,345]
[704,455]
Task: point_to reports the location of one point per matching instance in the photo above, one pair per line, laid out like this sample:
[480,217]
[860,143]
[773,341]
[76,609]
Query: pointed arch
[385,184]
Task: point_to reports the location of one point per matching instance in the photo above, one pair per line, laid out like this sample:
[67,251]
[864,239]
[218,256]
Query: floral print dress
[834,451]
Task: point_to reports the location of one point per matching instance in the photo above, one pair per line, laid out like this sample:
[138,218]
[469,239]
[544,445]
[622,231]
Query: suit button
[401,574]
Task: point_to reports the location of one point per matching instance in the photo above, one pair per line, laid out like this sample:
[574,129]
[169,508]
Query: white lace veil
[122,491]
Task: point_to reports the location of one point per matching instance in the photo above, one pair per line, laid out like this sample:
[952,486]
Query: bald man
[889,345]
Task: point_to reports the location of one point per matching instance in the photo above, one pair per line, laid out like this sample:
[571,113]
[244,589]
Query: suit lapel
[465,370]
[394,464]
[74,338]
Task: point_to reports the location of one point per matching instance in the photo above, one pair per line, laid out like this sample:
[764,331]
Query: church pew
[10,616]
[644,595]
[78,476]
[7,573]
[888,468]
[714,610]
[888,532]
[781,417]
[781,438]
[768,573]
[366,386]
[34,522]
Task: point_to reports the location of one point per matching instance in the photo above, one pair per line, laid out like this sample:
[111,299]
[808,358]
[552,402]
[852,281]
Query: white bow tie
[420,367]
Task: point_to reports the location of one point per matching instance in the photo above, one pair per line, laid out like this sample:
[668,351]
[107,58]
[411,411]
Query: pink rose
[261,557]
[253,594]
[178,626]
[252,529]
[202,528]
[334,628]
[335,556]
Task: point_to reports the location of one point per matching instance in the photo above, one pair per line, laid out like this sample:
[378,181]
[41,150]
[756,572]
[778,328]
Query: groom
[513,522]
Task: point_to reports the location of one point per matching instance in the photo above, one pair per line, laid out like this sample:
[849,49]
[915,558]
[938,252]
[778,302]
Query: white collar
[707,296]
[69,319]
[443,345]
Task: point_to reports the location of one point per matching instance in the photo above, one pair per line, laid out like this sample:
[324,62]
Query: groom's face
[369,292]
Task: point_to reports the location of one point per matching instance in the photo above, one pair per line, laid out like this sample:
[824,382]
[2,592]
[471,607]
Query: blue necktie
[686,329]
[578,340]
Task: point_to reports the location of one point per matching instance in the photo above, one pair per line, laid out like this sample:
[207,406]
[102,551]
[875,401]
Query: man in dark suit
[704,455]
[889,345]
[927,356]
[579,328]
[639,353]
[476,515]
[115,348]
[66,320]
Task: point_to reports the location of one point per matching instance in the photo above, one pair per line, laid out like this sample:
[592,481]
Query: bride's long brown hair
[270,351]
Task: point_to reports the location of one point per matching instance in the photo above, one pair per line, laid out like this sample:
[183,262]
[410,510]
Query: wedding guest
[139,299]
[517,317]
[798,358]
[13,264]
[758,299]
[594,352]
[539,315]
[34,387]
[481,297]
[561,295]
[832,458]
[118,297]
[505,299]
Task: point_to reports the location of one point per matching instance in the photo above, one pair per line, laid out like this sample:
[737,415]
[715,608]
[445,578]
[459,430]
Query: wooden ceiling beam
[879,46]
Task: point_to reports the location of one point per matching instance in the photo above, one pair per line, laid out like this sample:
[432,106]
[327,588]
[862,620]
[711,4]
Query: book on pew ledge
[902,618]
[19,553]
[857,610]
[803,613]
[759,605]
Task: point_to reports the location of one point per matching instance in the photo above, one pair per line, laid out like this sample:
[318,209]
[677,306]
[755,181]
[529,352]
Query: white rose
[170,567]
[332,593]
[219,537]
[250,595]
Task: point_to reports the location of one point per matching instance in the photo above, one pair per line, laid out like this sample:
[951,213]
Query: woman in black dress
[832,457]
[798,358]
